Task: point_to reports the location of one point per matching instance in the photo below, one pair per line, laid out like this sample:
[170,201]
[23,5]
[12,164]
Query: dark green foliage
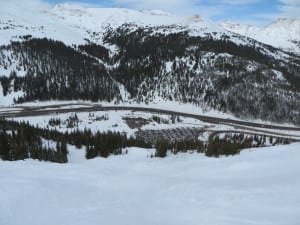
[219,147]
[4,146]
[156,119]
[184,146]
[56,71]
[161,149]
[90,152]
[72,121]
[162,146]
[232,143]
[53,122]
[19,141]
[96,51]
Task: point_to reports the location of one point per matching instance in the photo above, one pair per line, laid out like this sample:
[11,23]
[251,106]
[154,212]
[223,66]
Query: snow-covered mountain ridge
[282,33]
[73,24]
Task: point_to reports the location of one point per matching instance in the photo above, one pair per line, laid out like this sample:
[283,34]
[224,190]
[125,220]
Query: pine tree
[4,147]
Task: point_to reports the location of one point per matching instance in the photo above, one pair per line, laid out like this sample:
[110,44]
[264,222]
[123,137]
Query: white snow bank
[260,186]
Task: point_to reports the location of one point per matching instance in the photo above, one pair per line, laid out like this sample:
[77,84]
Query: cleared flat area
[259,186]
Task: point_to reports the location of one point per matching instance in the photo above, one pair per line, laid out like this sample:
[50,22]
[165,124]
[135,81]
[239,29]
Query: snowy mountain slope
[19,20]
[136,189]
[115,54]
[244,29]
[73,23]
[281,33]
[97,19]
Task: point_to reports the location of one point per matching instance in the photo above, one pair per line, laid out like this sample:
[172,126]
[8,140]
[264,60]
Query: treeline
[215,148]
[163,146]
[230,144]
[102,144]
[233,143]
[20,141]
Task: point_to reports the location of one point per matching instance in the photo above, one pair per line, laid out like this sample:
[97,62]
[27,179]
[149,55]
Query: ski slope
[259,186]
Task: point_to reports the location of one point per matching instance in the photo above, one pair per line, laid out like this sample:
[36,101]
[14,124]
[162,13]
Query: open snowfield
[259,186]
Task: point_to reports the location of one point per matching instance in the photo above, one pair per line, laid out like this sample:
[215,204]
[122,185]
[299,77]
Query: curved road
[45,110]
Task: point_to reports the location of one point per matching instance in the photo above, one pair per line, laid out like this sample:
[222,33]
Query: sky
[258,12]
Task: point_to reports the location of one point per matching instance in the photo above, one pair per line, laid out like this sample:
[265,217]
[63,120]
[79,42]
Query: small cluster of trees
[19,141]
[53,122]
[71,122]
[218,147]
[231,144]
[163,146]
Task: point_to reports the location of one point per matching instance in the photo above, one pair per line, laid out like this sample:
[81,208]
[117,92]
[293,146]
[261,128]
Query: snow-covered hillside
[20,19]
[73,24]
[260,186]
[282,33]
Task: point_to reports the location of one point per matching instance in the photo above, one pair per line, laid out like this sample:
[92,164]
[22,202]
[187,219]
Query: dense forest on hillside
[241,79]
[247,80]
[56,71]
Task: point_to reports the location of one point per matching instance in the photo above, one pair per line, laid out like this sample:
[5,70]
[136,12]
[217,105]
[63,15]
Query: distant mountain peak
[281,33]
[70,22]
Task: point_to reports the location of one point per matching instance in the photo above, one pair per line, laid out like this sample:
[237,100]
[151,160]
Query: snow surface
[8,100]
[281,33]
[259,186]
[73,23]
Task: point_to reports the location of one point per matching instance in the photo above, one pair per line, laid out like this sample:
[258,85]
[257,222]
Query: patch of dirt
[134,123]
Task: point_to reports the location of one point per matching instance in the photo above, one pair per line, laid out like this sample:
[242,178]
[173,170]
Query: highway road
[45,110]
